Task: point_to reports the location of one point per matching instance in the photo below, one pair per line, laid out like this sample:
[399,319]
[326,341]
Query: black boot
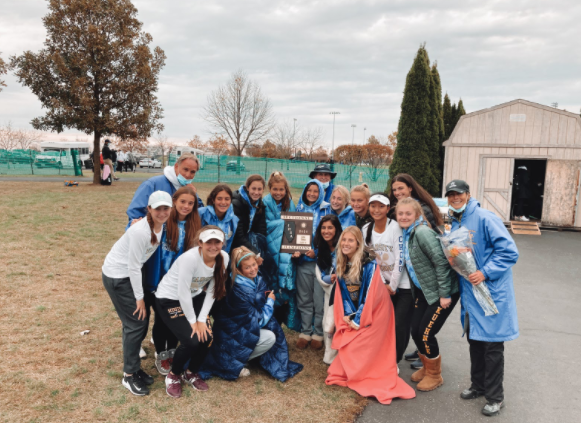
[412,356]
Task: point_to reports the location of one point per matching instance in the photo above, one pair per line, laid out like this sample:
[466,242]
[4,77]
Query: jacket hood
[227,217]
[170,173]
[345,211]
[319,201]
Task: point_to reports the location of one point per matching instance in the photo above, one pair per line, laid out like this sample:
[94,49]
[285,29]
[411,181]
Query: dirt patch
[54,241]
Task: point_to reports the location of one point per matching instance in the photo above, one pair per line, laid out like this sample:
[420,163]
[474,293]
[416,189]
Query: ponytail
[150,221]
[219,278]
[369,231]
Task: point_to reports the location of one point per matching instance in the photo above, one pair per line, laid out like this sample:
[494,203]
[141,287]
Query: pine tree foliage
[437,125]
[447,117]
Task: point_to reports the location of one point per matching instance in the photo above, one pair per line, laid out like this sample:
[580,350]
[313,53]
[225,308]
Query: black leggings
[427,321]
[190,348]
[403,309]
[163,338]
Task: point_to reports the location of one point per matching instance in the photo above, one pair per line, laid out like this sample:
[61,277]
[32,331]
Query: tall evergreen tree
[459,112]
[415,129]
[437,126]
[447,117]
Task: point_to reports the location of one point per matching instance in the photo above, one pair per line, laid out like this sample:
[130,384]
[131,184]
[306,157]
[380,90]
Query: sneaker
[148,380]
[398,370]
[244,372]
[492,408]
[173,385]
[470,393]
[135,385]
[524,219]
[412,356]
[162,363]
[417,365]
[142,353]
[194,380]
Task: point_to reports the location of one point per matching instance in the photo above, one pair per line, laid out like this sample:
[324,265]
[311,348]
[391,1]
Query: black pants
[190,348]
[487,368]
[403,309]
[427,320]
[163,338]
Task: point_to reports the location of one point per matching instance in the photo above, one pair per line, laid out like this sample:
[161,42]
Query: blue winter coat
[347,217]
[236,332]
[495,253]
[348,305]
[228,224]
[319,209]
[329,192]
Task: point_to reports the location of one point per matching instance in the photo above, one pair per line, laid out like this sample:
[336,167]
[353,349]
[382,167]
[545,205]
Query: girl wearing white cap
[184,298]
[385,237]
[122,280]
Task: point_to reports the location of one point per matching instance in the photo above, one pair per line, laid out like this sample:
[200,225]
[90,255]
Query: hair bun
[365,185]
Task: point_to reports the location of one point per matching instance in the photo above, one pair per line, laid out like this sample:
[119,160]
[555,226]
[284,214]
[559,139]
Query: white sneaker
[524,219]
[142,353]
[398,370]
[244,372]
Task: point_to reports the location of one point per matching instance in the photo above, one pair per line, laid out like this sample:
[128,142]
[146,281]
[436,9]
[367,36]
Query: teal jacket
[432,269]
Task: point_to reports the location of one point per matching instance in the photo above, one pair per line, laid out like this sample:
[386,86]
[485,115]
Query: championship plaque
[297,232]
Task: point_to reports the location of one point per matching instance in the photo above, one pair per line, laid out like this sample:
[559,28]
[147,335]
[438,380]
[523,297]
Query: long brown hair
[193,222]
[418,193]
[277,178]
[249,181]
[217,190]
[220,274]
[149,218]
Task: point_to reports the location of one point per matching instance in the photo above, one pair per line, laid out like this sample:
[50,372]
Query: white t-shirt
[388,247]
[129,253]
[186,279]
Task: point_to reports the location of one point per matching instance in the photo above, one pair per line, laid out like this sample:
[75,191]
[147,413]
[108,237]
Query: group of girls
[375,274]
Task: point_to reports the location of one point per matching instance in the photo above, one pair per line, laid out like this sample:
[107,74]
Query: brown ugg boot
[303,341]
[418,375]
[316,342]
[433,378]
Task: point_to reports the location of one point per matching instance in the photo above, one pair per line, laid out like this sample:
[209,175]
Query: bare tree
[26,138]
[311,140]
[7,137]
[286,136]
[165,146]
[240,111]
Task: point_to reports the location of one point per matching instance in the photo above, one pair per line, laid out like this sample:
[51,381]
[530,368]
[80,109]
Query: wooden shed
[488,146]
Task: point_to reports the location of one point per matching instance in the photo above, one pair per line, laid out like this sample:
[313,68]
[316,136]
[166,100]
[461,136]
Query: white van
[61,151]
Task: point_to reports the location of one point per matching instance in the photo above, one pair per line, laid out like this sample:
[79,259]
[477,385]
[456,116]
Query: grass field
[54,240]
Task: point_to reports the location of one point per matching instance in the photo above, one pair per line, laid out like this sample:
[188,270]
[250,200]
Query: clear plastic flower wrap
[458,249]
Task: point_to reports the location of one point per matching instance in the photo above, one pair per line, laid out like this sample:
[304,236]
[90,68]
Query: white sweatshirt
[186,279]
[388,247]
[128,255]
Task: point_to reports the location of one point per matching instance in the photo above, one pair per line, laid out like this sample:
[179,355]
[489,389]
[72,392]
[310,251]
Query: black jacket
[106,151]
[242,211]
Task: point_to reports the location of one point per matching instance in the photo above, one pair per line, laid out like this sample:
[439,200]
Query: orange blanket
[366,361]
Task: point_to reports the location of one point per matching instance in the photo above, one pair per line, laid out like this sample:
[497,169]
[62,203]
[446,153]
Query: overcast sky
[312,57]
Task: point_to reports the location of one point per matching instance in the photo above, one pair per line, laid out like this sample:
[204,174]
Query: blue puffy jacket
[495,253]
[347,217]
[319,209]
[237,330]
[228,224]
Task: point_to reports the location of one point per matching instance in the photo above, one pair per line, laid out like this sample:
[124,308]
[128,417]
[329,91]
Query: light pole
[364,129]
[333,140]
[353,139]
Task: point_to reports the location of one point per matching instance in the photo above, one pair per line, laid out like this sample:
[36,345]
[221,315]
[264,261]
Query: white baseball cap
[159,198]
[209,234]
[381,198]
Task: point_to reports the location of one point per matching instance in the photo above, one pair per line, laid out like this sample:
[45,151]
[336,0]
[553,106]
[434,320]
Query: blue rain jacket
[319,209]
[495,253]
[228,224]
[347,217]
[236,332]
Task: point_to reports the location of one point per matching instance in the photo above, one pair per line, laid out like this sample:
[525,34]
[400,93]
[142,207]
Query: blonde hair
[416,207]
[188,156]
[364,188]
[277,178]
[344,193]
[356,262]
[237,254]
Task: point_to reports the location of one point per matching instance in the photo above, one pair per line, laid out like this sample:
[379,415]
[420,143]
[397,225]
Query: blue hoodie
[228,224]
[347,217]
[495,253]
[319,209]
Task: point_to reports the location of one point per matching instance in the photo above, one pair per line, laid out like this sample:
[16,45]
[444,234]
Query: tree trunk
[96,159]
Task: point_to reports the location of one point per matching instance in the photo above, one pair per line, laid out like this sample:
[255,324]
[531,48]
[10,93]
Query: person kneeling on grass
[184,298]
[244,328]
[365,328]
[122,280]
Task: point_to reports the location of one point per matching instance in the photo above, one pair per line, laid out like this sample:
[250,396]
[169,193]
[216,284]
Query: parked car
[150,163]
[233,166]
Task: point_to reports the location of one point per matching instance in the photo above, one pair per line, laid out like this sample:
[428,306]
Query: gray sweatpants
[134,330]
[265,343]
[310,299]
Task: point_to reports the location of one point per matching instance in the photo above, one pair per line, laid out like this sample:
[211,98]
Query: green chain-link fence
[235,170]
[32,162]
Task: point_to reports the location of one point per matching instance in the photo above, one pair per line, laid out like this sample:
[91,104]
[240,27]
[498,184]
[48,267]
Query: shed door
[496,185]
[561,192]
